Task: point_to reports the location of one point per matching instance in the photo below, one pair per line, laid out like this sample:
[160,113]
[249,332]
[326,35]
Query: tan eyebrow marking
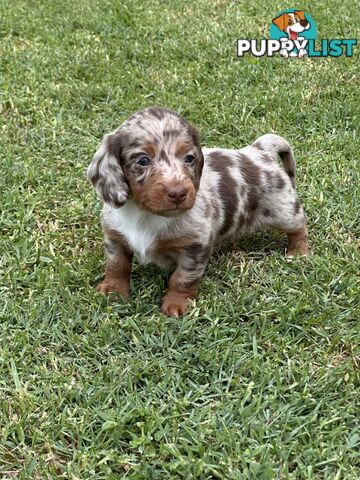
[148,149]
[182,148]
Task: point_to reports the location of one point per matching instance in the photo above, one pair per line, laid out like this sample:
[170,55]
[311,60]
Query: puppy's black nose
[177,194]
[303,23]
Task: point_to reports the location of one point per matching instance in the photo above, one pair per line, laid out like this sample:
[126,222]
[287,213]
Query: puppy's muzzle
[304,23]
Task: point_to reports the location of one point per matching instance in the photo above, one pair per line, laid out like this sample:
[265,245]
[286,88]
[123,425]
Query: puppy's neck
[137,214]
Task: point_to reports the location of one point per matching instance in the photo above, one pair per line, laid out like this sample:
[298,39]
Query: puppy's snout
[177,194]
[304,23]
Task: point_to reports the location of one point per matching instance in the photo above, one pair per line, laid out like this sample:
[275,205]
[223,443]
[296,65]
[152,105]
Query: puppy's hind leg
[287,212]
[297,242]
[290,219]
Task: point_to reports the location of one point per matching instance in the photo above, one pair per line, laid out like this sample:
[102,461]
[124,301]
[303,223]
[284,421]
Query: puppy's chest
[142,241]
[142,232]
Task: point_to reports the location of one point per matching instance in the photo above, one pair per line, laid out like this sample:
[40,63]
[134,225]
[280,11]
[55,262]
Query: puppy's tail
[276,145]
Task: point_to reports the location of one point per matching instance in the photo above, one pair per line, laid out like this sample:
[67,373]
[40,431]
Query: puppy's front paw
[106,287]
[174,305]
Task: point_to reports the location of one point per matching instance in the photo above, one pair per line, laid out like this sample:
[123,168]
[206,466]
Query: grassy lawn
[258,380]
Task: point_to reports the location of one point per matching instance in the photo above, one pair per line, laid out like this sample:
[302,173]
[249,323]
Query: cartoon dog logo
[292,24]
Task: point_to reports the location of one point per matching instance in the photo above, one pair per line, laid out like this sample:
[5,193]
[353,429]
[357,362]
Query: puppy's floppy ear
[106,174]
[196,139]
[280,22]
[301,14]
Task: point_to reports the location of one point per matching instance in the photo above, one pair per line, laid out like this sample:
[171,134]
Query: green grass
[258,380]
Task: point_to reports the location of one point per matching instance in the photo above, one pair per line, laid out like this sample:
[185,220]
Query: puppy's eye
[143,161]
[189,158]
[290,21]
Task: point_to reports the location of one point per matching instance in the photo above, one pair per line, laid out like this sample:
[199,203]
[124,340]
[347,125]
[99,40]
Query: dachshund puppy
[170,202]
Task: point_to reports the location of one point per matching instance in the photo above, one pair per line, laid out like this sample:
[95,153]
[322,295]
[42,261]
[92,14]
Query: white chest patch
[140,228]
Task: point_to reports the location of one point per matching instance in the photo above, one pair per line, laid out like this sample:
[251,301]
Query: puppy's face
[161,160]
[292,23]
